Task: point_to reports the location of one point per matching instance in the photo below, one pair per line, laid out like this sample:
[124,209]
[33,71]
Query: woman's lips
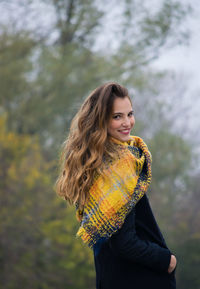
[125,131]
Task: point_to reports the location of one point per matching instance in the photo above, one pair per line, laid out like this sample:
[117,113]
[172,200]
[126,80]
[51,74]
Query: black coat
[136,256]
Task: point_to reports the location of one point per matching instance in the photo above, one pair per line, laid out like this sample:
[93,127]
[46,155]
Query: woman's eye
[116,116]
[131,113]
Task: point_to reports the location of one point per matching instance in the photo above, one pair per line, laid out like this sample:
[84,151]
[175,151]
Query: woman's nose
[126,122]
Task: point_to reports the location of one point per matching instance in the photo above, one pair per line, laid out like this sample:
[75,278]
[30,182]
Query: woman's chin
[123,137]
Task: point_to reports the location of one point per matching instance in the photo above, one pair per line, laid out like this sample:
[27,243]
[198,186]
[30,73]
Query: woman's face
[122,119]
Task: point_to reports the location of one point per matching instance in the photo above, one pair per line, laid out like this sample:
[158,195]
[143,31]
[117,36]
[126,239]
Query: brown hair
[87,143]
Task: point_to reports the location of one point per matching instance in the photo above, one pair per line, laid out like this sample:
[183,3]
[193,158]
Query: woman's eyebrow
[121,112]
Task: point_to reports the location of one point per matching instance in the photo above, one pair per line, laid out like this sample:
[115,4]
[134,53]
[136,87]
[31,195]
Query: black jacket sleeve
[126,244]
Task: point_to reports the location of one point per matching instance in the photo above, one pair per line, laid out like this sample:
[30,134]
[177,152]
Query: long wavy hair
[87,144]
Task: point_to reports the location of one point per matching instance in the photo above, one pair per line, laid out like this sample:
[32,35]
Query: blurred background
[52,55]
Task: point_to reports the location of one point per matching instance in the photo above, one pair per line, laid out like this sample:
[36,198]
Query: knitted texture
[113,194]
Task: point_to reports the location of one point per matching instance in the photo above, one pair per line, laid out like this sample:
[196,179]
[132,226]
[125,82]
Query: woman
[106,173]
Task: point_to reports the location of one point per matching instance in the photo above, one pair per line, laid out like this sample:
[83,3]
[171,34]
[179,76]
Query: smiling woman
[106,173]
[122,119]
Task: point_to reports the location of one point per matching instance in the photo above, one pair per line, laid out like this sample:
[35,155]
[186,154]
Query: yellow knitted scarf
[113,194]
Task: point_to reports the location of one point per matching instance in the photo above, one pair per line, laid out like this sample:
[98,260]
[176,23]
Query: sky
[182,59]
[186,59]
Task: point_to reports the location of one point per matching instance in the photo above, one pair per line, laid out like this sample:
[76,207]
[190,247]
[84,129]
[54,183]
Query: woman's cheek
[133,121]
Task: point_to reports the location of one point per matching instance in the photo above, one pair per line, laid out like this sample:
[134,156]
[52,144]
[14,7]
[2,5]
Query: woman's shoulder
[140,143]
[137,139]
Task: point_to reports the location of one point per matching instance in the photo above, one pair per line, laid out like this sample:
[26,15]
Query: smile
[125,131]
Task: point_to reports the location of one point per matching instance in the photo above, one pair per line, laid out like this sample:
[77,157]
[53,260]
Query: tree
[37,236]
[64,68]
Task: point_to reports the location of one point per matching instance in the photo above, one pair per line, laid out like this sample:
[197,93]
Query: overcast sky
[182,59]
[186,59]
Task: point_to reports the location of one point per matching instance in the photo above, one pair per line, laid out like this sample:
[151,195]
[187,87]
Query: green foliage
[38,89]
[24,184]
[76,21]
[67,259]
[63,79]
[189,261]
[171,164]
[15,78]
[37,236]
